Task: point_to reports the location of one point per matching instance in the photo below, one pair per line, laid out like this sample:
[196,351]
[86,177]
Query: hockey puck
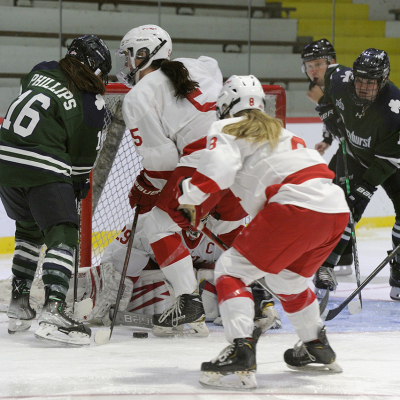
[140,335]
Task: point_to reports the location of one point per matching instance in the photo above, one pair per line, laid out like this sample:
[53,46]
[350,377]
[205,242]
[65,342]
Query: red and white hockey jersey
[163,127]
[288,174]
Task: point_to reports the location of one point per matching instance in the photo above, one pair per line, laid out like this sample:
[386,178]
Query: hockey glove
[81,186]
[331,119]
[359,198]
[143,193]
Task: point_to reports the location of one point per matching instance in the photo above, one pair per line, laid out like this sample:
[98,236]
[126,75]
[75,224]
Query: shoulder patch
[93,110]
[394,106]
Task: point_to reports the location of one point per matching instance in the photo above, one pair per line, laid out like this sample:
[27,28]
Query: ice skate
[58,327]
[237,359]
[265,317]
[394,280]
[20,312]
[316,352]
[324,279]
[185,317]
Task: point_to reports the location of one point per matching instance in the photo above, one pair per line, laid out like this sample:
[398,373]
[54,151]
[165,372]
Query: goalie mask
[240,93]
[315,50]
[369,76]
[91,51]
[144,44]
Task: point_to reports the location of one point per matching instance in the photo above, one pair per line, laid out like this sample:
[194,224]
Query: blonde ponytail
[256,127]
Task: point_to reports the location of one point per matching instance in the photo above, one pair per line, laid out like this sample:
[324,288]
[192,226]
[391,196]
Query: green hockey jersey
[49,134]
[372,133]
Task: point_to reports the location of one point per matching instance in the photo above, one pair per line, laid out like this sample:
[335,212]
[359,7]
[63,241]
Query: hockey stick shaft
[77,249]
[352,224]
[334,312]
[125,268]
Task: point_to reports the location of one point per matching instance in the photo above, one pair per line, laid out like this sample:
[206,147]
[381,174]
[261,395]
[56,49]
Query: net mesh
[111,209]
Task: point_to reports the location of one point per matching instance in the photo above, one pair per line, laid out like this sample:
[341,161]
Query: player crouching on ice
[101,282]
[298,216]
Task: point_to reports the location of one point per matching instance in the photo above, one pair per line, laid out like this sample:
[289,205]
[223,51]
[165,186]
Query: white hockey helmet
[240,93]
[145,43]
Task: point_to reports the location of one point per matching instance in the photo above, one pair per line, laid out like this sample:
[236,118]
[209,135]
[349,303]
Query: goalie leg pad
[102,284]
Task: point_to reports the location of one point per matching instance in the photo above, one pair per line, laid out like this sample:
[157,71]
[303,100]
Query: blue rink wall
[379,212]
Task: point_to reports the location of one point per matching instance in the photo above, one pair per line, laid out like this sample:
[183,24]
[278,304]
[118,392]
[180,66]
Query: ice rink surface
[367,347]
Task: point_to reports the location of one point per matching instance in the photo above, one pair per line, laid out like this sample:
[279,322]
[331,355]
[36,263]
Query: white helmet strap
[132,74]
[224,113]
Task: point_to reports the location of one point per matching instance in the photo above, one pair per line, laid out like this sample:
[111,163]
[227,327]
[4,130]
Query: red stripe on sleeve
[199,144]
[204,183]
[229,287]
[169,250]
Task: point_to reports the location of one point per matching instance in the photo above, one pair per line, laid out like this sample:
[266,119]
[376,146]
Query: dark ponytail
[179,76]
[81,77]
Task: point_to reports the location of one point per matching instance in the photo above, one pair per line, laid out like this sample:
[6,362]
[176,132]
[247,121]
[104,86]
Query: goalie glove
[143,193]
[331,119]
[358,199]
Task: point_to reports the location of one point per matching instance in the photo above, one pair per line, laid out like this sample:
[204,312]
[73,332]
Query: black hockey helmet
[318,49]
[92,52]
[370,64]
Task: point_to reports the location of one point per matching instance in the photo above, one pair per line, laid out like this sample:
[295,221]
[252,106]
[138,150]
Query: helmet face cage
[145,43]
[240,93]
[319,49]
[374,65]
[92,52]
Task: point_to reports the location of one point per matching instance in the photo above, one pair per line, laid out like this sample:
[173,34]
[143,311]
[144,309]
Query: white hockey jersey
[202,249]
[288,174]
[163,126]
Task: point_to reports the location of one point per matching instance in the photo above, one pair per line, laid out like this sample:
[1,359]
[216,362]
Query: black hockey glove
[358,199]
[81,186]
[331,119]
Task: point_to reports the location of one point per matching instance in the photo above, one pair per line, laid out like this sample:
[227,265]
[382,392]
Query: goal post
[106,208]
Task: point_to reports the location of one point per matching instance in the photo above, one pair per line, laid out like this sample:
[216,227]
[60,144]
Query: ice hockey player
[101,282]
[298,217]
[49,142]
[366,104]
[316,58]
[168,111]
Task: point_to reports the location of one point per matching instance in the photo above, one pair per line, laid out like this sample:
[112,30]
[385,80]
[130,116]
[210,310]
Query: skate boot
[58,327]
[316,352]
[394,280]
[324,279]
[185,317]
[20,312]
[237,359]
[265,317]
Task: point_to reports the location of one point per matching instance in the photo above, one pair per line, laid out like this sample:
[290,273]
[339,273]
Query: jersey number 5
[137,140]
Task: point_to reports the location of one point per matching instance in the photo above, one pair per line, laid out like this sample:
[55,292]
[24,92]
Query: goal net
[116,170]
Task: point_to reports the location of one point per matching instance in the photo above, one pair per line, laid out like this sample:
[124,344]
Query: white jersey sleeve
[257,174]
[162,126]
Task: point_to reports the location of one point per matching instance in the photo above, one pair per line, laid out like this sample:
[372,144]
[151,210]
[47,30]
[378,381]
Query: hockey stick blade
[83,308]
[102,336]
[335,311]
[354,307]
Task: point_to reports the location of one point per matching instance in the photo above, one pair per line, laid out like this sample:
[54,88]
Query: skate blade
[18,325]
[333,368]
[343,270]
[239,380]
[395,293]
[194,329]
[73,339]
